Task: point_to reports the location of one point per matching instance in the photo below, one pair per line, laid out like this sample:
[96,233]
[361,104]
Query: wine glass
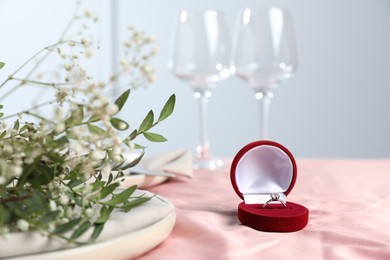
[264,54]
[200,56]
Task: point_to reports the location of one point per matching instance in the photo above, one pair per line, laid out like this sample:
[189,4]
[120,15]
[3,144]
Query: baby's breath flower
[88,53]
[64,199]
[84,41]
[59,128]
[76,139]
[52,205]
[22,225]
[89,212]
[151,78]
[106,169]
[98,155]
[116,140]
[89,13]
[15,170]
[8,149]
[127,44]
[146,69]
[68,67]
[125,64]
[112,109]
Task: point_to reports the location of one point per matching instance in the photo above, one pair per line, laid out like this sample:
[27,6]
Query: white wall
[336,105]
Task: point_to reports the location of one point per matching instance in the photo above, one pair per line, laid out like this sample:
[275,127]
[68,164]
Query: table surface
[348,200]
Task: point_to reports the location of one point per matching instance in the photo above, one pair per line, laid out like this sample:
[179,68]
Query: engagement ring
[274,198]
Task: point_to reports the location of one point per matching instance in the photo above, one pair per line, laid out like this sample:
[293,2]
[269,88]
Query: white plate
[126,246]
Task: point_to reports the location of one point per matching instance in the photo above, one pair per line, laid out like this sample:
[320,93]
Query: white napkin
[178,162]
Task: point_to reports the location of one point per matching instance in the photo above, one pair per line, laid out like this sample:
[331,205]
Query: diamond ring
[274,198]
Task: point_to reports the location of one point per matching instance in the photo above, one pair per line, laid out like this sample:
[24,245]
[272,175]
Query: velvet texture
[274,218]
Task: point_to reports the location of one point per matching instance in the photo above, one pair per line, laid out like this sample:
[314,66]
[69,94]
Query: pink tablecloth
[349,203]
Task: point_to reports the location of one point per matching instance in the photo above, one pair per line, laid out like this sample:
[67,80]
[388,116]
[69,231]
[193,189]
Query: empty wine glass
[264,54]
[200,56]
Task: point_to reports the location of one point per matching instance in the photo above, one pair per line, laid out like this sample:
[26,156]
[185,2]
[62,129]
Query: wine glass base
[210,164]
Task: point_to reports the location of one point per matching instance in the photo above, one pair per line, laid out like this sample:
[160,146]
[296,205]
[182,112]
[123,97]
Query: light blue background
[336,105]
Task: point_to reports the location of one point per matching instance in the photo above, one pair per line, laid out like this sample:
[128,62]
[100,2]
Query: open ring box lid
[258,170]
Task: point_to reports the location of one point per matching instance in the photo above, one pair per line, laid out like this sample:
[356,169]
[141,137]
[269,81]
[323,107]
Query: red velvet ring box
[258,170]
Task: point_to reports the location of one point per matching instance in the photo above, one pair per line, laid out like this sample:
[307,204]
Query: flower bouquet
[60,170]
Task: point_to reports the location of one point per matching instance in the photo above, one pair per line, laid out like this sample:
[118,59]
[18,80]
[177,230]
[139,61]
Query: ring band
[274,198]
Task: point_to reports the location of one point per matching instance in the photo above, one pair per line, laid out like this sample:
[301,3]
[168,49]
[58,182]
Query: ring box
[260,169]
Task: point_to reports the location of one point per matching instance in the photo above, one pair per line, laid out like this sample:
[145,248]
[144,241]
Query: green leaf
[94,118]
[135,203]
[80,230]
[49,217]
[118,166]
[74,182]
[62,140]
[97,130]
[121,100]
[154,137]
[16,125]
[168,108]
[147,122]
[55,157]
[43,175]
[137,146]
[5,216]
[132,135]
[104,215]
[98,184]
[96,231]
[107,190]
[76,116]
[1,65]
[133,162]
[122,197]
[3,134]
[110,178]
[67,226]
[119,124]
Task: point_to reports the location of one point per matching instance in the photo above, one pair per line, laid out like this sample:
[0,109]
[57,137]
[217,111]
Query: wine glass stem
[264,104]
[202,151]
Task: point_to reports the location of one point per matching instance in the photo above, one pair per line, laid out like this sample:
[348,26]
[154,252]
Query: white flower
[112,109]
[59,128]
[67,67]
[64,199]
[89,212]
[52,205]
[22,225]
[117,140]
[117,158]
[125,64]
[106,170]
[146,69]
[154,51]
[16,170]
[8,149]
[98,154]
[84,41]
[2,180]
[151,78]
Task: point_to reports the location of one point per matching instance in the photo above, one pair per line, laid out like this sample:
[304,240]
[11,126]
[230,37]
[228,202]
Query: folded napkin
[178,162]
